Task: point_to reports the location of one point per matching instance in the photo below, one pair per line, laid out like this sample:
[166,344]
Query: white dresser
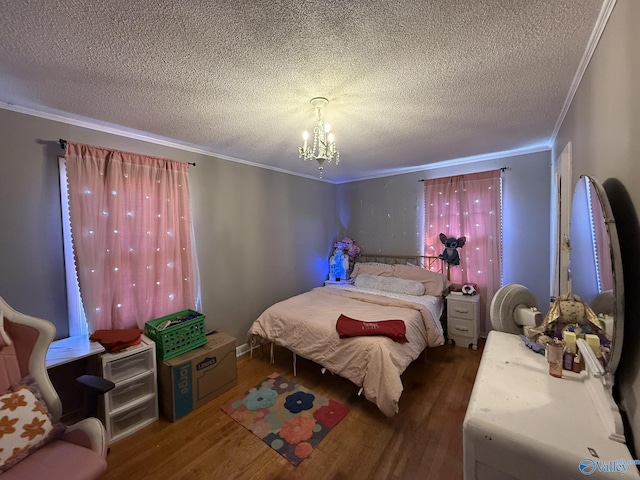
[522,423]
[133,403]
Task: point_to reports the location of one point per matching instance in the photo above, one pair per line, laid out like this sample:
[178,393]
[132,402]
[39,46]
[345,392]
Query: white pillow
[434,283]
[372,268]
[389,284]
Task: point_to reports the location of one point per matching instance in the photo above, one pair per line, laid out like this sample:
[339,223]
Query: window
[469,206]
[77,318]
[129,238]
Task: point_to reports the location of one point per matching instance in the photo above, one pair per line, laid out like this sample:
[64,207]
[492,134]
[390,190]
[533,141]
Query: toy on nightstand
[469,289]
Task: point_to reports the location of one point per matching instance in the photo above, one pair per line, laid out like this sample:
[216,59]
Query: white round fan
[512,307]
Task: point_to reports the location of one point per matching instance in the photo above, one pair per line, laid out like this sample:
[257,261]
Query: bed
[385,289]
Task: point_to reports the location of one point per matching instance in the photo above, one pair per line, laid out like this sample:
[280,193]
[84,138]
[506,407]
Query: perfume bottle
[577,363]
[554,357]
[567,360]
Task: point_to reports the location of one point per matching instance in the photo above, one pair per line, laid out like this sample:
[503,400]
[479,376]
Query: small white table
[522,423]
[70,349]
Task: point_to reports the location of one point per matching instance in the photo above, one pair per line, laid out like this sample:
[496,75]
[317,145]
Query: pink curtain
[470,206]
[132,236]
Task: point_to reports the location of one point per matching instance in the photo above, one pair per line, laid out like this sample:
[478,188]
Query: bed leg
[271,357]
[295,371]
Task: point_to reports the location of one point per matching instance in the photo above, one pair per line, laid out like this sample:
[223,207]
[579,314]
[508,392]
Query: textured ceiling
[409,82]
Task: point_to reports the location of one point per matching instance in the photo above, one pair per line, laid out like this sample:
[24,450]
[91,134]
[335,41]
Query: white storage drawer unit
[133,403]
[128,366]
[132,419]
[463,318]
[132,389]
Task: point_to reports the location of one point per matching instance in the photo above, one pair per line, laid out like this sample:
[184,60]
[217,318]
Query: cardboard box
[194,378]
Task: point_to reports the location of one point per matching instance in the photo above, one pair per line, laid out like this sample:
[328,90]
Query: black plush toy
[450,252]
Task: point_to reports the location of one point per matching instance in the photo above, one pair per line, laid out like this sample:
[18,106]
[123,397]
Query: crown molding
[596,34]
[122,132]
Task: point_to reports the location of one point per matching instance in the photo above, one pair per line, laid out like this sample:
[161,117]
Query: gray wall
[603,124]
[384,215]
[261,235]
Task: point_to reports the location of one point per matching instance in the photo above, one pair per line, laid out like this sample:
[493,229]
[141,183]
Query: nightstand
[463,319]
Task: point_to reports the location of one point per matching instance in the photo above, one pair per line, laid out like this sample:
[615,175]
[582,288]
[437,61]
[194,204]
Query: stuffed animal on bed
[450,252]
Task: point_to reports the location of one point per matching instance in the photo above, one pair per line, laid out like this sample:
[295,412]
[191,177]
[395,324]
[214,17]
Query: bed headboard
[435,264]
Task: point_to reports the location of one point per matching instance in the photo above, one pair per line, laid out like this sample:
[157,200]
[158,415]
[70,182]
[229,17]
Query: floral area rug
[286,416]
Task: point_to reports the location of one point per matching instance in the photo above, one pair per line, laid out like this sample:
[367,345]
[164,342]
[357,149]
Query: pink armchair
[72,452]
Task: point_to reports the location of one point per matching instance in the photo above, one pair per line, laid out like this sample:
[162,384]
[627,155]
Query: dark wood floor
[424,441]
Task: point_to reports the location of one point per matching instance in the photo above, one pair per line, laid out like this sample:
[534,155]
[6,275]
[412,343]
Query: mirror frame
[616,265]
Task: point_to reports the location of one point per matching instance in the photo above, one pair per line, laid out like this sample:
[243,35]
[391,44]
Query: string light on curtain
[324,147]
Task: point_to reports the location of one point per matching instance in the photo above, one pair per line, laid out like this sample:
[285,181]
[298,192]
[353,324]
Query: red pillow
[394,329]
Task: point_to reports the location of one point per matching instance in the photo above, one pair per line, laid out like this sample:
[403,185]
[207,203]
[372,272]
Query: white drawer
[132,419]
[129,366]
[460,309]
[131,389]
[461,327]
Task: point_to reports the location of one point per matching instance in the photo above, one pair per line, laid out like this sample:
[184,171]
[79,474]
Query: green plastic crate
[179,338]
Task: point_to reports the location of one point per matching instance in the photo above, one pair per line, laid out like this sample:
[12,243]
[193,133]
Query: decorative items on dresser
[523,423]
[133,403]
[463,318]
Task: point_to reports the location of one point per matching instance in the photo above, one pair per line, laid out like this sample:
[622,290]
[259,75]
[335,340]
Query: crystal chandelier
[324,146]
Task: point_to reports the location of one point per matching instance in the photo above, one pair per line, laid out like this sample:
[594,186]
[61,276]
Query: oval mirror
[595,263]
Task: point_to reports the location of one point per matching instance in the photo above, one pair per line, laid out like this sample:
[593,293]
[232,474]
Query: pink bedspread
[306,325]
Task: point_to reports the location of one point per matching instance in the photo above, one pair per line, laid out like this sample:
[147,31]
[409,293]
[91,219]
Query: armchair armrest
[89,433]
[95,386]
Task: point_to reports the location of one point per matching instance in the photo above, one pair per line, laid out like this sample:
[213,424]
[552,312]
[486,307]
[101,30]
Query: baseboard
[242,349]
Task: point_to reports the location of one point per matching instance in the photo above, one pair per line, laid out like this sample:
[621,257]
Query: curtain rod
[63,145]
[502,169]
